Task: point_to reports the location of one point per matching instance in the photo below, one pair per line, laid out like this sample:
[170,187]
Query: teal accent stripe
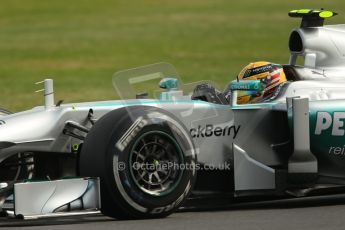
[132,103]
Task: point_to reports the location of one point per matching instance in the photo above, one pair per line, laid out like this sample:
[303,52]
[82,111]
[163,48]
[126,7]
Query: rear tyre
[145,159]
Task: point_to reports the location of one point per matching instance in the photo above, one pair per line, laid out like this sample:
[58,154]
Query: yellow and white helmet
[271,76]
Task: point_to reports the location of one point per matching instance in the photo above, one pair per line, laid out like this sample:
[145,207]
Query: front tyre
[145,159]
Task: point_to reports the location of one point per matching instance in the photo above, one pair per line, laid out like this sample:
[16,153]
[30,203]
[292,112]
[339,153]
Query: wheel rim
[154,163]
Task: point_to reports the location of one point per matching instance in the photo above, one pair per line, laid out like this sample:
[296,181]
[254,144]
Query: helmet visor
[248,97]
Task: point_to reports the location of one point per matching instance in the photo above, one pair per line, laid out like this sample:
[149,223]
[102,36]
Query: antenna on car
[48,92]
[312,18]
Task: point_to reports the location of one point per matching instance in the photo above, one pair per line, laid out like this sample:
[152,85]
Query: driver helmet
[271,76]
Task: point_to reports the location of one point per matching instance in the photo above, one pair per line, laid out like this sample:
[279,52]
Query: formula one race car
[142,158]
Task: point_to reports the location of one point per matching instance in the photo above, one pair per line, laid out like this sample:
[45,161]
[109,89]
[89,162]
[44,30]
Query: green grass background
[81,43]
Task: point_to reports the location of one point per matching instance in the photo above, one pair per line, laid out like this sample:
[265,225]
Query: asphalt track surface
[303,213]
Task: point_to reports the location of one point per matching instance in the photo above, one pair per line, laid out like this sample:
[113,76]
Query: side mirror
[246,85]
[168,83]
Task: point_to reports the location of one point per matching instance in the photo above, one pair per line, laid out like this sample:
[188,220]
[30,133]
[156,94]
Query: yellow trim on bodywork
[303,11]
[326,14]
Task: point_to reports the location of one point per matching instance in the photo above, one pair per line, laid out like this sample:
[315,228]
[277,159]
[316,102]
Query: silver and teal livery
[76,156]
